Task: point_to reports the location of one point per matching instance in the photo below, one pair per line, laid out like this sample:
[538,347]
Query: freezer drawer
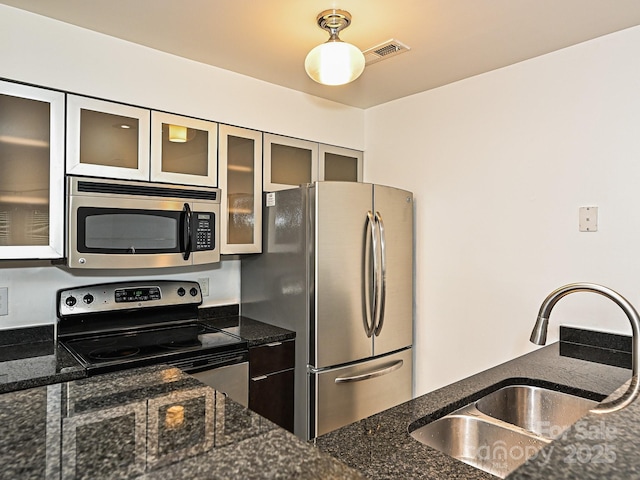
[344,395]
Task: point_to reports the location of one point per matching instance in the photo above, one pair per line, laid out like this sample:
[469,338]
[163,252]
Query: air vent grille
[385,50]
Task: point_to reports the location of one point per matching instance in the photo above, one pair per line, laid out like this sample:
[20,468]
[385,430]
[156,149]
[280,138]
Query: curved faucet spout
[539,334]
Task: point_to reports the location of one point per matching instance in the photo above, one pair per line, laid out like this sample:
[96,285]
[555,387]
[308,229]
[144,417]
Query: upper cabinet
[183,150]
[31,172]
[240,160]
[340,164]
[107,139]
[288,162]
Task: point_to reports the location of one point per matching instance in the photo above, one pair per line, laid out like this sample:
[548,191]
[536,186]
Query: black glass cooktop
[159,344]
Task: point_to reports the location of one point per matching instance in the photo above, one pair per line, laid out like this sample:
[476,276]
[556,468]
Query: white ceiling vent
[385,50]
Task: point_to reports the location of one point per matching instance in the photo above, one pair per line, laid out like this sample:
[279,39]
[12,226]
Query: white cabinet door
[340,164]
[183,150]
[240,161]
[31,172]
[106,139]
[288,162]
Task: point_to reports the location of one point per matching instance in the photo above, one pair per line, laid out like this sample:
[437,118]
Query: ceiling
[448,39]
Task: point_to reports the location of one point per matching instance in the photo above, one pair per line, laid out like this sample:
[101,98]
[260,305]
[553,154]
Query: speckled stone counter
[154,422]
[226,318]
[380,446]
[30,357]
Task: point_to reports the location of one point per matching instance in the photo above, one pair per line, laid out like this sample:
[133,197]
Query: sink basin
[544,412]
[503,429]
[479,443]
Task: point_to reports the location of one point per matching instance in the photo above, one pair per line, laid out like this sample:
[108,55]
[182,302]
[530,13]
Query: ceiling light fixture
[334,62]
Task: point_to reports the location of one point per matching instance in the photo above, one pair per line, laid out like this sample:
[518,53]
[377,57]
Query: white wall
[41,51]
[500,164]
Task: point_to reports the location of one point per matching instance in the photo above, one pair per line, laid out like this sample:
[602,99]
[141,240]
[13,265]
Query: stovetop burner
[113,353]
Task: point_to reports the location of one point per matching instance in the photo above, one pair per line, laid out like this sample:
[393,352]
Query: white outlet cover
[588,219]
[204,286]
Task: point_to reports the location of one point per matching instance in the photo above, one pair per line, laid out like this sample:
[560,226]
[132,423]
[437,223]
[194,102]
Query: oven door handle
[186,231]
[197,364]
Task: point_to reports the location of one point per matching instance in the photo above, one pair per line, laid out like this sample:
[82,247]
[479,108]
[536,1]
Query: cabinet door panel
[31,172]
[241,180]
[272,397]
[183,150]
[340,164]
[288,162]
[106,139]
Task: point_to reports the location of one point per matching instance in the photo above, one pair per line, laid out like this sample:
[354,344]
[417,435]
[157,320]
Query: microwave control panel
[204,230]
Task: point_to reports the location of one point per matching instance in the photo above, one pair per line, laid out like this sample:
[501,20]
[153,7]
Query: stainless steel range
[114,326]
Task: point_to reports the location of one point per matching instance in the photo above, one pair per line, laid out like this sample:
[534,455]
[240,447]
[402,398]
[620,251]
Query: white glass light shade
[334,63]
[177,133]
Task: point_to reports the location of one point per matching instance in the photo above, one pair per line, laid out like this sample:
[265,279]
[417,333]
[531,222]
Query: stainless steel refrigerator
[337,267]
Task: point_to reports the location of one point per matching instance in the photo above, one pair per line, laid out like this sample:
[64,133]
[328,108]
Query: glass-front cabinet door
[183,150]
[288,162]
[240,160]
[340,164]
[31,172]
[106,139]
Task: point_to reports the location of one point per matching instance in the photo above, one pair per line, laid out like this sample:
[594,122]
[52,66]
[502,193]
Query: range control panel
[109,297]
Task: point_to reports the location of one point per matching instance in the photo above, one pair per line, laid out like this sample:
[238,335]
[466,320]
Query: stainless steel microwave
[128,224]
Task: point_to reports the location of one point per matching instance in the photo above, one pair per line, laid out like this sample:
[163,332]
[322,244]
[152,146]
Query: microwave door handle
[186,231]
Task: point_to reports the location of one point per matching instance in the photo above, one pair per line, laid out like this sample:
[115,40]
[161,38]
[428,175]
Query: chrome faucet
[539,335]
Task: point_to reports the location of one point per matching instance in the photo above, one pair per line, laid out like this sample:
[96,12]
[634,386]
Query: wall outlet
[204,286]
[4,301]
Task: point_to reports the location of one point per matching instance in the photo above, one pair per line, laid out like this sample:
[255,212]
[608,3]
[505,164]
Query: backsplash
[32,286]
[600,347]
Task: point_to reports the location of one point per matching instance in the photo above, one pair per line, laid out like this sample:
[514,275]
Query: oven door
[232,380]
[132,231]
[227,373]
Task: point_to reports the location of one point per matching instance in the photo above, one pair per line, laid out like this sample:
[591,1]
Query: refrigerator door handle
[379,320]
[371,313]
[376,373]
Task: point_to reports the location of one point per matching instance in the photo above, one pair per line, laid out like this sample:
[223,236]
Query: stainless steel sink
[479,443]
[503,429]
[544,412]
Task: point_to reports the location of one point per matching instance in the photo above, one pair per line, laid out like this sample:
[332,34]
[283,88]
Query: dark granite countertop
[256,333]
[153,422]
[381,448]
[30,357]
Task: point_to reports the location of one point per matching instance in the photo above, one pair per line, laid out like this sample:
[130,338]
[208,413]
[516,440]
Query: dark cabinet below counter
[271,378]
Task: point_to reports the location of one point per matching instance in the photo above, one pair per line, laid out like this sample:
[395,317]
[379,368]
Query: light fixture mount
[334,20]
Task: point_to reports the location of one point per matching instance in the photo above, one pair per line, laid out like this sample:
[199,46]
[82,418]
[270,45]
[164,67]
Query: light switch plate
[4,301]
[588,219]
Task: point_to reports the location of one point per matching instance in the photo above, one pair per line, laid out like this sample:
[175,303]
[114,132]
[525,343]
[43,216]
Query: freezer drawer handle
[376,373]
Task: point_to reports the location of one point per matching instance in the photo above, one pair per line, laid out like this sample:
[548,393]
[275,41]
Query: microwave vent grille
[146,190]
